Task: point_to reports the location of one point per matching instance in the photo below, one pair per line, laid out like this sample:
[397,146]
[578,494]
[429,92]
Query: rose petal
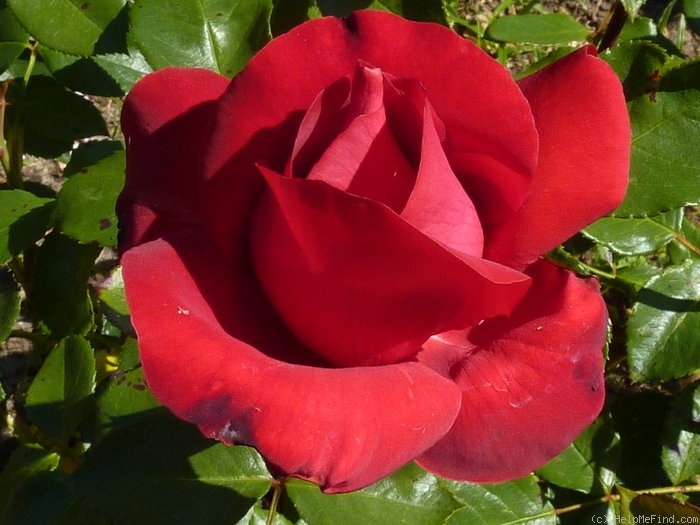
[364,159]
[158,117]
[585,139]
[483,110]
[330,426]
[358,284]
[529,385]
[438,205]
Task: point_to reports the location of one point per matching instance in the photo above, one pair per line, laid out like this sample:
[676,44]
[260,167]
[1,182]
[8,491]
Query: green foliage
[90,443]
[215,34]
[553,28]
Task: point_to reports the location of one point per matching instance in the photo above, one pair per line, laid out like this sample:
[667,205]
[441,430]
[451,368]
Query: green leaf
[54,118]
[260,516]
[24,219]
[632,6]
[640,27]
[113,301]
[24,464]
[514,502]
[664,106]
[60,297]
[662,509]
[553,28]
[410,495]
[71,26]
[589,463]
[90,153]
[10,301]
[163,471]
[681,438]
[13,38]
[60,396]
[85,204]
[220,35]
[664,325]
[125,399]
[630,236]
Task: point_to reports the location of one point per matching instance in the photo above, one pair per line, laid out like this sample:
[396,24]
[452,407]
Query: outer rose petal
[529,386]
[482,109]
[164,120]
[340,428]
[585,138]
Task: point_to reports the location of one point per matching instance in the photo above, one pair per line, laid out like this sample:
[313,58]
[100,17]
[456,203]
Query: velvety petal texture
[341,428]
[530,384]
[336,257]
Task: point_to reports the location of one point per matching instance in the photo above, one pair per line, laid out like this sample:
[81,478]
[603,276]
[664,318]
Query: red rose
[335,257]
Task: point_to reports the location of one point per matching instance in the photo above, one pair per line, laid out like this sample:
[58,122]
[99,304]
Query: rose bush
[336,256]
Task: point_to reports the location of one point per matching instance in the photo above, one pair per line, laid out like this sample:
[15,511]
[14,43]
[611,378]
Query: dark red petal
[483,110]
[580,112]
[340,428]
[358,284]
[529,385]
[164,120]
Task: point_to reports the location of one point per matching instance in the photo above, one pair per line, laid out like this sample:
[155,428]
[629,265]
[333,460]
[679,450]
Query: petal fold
[340,428]
[530,384]
[357,283]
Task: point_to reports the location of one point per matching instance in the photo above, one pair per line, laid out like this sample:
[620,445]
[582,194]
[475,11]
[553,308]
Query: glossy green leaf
[24,219]
[510,503]
[71,26]
[108,75]
[10,301]
[664,325]
[13,38]
[220,35]
[163,471]
[54,118]
[25,462]
[553,28]
[589,463]
[85,204]
[410,495]
[640,27]
[662,509]
[60,299]
[630,236]
[60,396]
[681,438]
[664,106]
[90,153]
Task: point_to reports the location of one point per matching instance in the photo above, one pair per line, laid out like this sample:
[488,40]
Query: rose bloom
[336,257]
